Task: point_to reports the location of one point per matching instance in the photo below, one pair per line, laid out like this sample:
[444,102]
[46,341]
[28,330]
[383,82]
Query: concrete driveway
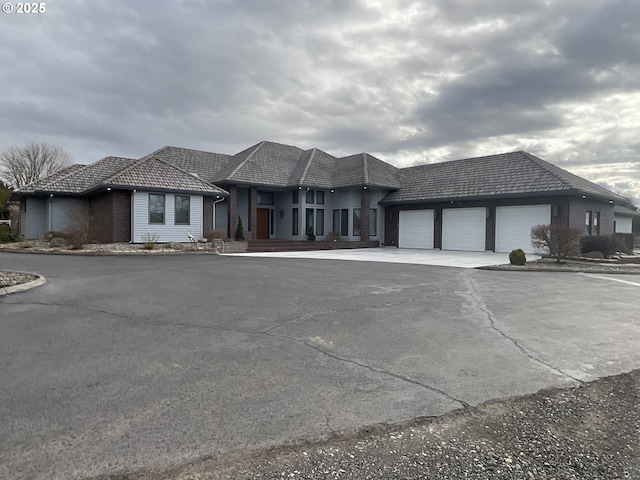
[121,363]
[414,256]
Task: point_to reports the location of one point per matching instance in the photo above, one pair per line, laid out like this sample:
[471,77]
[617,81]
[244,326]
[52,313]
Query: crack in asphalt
[269,333]
[473,296]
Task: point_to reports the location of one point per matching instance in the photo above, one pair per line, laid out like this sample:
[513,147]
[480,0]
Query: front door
[263,223]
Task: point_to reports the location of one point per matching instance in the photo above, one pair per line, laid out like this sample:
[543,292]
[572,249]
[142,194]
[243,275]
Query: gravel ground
[586,432]
[8,279]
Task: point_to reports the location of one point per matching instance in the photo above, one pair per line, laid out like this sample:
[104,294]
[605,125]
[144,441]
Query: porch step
[276,245]
[285,245]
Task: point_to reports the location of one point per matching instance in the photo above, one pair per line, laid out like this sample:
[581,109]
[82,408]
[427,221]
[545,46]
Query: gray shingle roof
[78,180]
[365,169]
[40,184]
[153,173]
[205,164]
[267,163]
[315,169]
[625,211]
[507,174]
[148,172]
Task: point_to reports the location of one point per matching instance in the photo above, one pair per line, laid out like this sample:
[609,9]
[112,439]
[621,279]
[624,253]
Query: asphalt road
[121,363]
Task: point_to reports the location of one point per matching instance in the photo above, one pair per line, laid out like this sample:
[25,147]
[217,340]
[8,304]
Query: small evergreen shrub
[517,257]
[310,235]
[240,230]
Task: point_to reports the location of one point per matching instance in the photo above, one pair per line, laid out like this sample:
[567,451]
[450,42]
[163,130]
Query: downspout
[133,195]
[50,222]
[215,202]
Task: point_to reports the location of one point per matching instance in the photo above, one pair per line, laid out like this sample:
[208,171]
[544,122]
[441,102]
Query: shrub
[6,235]
[149,240]
[215,234]
[558,241]
[626,241]
[77,238]
[310,235]
[606,244]
[51,234]
[240,230]
[517,257]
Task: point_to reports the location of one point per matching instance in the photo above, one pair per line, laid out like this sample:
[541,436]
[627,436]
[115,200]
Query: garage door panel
[415,229]
[464,228]
[514,223]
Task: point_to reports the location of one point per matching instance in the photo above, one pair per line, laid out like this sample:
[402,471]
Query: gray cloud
[406,81]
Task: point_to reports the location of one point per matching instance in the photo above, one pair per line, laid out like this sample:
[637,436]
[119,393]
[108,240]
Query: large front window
[319,221]
[183,209]
[156,208]
[356,222]
[341,222]
[294,221]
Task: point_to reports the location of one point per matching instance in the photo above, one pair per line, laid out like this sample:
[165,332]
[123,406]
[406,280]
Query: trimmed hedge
[606,244]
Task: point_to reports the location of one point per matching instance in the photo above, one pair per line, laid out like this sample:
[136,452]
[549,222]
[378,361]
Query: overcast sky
[407,81]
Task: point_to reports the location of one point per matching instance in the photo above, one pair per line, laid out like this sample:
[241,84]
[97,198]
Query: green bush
[517,257]
[240,230]
[310,235]
[6,235]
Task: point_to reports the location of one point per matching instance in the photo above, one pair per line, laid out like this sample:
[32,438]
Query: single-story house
[284,192]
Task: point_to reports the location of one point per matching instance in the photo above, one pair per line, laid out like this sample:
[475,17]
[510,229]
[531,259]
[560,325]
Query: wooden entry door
[263,223]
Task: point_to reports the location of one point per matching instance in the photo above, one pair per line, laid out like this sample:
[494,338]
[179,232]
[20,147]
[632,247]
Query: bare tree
[557,241]
[22,165]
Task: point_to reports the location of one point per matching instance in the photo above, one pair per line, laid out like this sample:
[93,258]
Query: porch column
[232,221]
[365,206]
[253,212]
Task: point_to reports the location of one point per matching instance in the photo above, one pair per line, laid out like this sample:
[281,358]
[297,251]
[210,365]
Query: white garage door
[464,229]
[415,229]
[513,225]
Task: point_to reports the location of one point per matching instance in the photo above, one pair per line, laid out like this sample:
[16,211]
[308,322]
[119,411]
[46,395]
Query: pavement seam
[472,294]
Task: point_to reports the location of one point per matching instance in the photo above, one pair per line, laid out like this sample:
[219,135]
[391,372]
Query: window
[356,222]
[156,208]
[344,222]
[183,208]
[294,196]
[320,197]
[336,222]
[320,222]
[294,221]
[596,223]
[373,222]
[587,222]
[265,198]
[309,223]
[310,196]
